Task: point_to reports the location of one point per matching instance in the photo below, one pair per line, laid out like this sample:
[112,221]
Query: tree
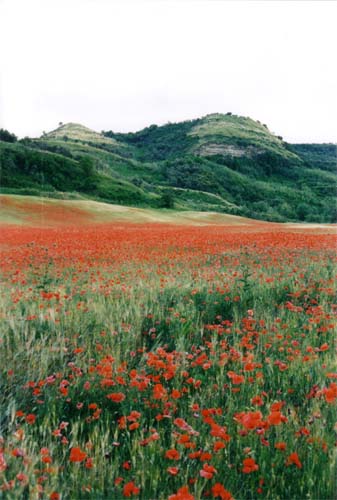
[89,181]
[303,210]
[166,200]
[7,136]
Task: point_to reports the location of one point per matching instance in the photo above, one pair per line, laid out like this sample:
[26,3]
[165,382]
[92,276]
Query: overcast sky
[123,65]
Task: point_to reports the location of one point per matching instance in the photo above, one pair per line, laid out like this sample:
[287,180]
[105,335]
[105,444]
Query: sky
[123,65]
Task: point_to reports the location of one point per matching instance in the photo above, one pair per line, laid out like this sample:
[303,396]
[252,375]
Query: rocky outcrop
[211,149]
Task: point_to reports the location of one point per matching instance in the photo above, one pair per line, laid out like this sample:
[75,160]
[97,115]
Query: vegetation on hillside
[222,163]
[7,136]
[322,156]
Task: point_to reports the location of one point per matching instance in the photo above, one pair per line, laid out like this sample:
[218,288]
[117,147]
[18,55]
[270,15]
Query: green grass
[75,131]
[240,131]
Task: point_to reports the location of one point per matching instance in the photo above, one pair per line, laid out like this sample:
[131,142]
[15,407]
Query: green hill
[221,163]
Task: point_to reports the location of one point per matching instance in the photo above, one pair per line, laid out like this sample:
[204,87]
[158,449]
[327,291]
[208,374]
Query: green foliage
[7,136]
[166,200]
[321,156]
[38,171]
[159,143]
[216,163]
[24,167]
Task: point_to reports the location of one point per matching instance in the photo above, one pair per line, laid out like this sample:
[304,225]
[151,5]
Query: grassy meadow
[152,360]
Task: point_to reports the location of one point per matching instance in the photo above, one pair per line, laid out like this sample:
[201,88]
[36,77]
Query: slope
[38,211]
[222,163]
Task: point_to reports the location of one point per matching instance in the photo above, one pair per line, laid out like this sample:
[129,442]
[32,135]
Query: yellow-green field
[32,210]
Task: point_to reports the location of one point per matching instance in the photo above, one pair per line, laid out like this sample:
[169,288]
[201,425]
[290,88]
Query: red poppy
[30,418]
[182,494]
[249,465]
[77,455]
[294,459]
[116,397]
[207,471]
[130,489]
[173,471]
[172,454]
[218,490]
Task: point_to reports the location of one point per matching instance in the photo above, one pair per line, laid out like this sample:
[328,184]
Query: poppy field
[157,361]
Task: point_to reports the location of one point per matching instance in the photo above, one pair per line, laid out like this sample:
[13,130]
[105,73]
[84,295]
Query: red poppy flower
[77,455]
[30,418]
[218,490]
[249,465]
[294,459]
[182,494]
[207,471]
[173,471]
[130,489]
[116,397]
[172,454]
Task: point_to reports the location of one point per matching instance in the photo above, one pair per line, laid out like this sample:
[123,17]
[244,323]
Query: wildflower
[130,489]
[207,471]
[30,418]
[77,455]
[18,452]
[250,420]
[182,494]
[172,454]
[173,471]
[257,401]
[89,463]
[205,456]
[23,478]
[218,445]
[235,378]
[294,459]
[330,393]
[276,418]
[249,465]
[218,490]
[3,464]
[159,392]
[116,397]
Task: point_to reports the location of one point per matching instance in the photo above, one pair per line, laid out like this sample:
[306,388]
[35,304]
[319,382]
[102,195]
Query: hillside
[44,212]
[221,163]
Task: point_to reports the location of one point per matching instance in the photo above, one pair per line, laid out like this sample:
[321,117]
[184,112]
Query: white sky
[123,65]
